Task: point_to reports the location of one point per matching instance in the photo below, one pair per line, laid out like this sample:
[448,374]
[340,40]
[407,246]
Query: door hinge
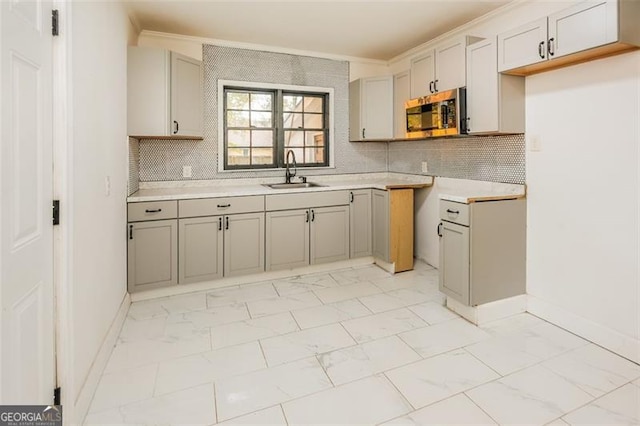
[54,22]
[56,396]
[56,212]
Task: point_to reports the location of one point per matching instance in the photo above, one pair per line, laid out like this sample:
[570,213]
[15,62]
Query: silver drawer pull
[153,211]
[453,211]
[223,206]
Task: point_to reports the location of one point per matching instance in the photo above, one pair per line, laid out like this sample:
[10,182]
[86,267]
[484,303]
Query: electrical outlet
[425,168]
[107,185]
[534,144]
[186,171]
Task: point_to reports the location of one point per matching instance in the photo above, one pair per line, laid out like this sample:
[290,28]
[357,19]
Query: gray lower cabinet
[152,254]
[200,249]
[482,250]
[300,237]
[287,236]
[360,223]
[329,234]
[380,224]
[216,246]
[243,244]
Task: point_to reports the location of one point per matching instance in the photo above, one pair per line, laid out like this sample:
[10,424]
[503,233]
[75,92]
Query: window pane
[293,138]
[299,153]
[262,156]
[237,100]
[238,138]
[312,104]
[313,121]
[314,155]
[262,138]
[261,119]
[292,121]
[238,118]
[238,156]
[314,138]
[292,103]
[261,101]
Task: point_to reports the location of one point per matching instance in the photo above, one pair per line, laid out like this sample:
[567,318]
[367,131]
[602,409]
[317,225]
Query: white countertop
[470,191]
[181,190]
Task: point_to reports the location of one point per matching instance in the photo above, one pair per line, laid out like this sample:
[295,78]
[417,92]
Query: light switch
[425,167]
[186,171]
[107,185]
[534,143]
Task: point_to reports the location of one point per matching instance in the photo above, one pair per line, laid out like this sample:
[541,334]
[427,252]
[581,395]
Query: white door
[450,65]
[482,86]
[423,70]
[27,363]
[522,46]
[586,25]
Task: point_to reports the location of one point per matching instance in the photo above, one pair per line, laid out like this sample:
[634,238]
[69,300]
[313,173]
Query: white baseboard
[612,340]
[90,385]
[488,312]
[246,279]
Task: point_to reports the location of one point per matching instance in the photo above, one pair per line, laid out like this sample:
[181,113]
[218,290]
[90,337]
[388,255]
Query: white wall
[100,32]
[583,195]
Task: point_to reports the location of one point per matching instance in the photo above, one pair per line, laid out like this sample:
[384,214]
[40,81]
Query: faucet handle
[303,179]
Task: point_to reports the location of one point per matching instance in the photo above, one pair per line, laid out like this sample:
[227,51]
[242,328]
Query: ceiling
[365,29]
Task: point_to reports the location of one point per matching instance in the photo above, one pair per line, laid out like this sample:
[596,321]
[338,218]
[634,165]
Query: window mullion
[279,122]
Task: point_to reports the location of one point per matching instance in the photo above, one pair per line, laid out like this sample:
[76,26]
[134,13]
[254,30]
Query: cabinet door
[152,254]
[423,70]
[450,65]
[376,107]
[329,234]
[586,25]
[148,104]
[380,216]
[482,86]
[522,46]
[186,95]
[200,249]
[401,94]
[243,244]
[360,223]
[287,239]
[454,261]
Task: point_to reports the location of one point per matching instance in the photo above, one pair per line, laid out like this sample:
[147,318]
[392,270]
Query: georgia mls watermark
[30,415]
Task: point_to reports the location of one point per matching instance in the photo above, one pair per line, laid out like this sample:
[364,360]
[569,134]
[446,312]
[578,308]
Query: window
[262,125]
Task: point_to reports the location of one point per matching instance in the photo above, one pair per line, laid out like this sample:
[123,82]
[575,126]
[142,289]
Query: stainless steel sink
[295,185]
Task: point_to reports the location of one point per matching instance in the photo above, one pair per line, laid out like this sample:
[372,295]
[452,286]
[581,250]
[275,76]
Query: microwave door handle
[445,115]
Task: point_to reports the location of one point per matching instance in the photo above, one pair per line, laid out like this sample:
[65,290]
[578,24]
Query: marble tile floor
[354,346]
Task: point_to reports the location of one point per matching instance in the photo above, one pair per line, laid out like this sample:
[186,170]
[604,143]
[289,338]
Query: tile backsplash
[489,158]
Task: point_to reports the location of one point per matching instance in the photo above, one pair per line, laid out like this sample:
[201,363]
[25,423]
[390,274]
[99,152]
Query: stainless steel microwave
[441,114]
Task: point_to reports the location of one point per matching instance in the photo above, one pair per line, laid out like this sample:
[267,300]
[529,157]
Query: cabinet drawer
[152,210]
[306,200]
[220,206]
[454,212]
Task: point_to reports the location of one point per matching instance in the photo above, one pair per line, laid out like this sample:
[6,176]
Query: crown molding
[261,47]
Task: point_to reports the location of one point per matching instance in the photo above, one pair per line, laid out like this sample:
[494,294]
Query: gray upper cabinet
[152,254]
[360,223]
[243,244]
[329,230]
[200,249]
[401,94]
[495,102]
[287,236]
[164,93]
[588,30]
[371,108]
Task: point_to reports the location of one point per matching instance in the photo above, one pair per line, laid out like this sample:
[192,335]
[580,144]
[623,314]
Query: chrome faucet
[287,174]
